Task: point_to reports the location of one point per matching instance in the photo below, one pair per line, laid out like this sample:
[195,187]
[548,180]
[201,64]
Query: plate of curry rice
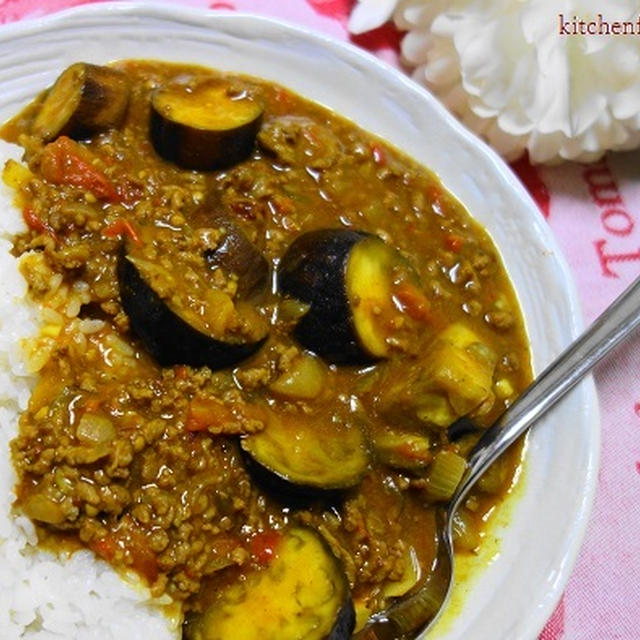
[254,280]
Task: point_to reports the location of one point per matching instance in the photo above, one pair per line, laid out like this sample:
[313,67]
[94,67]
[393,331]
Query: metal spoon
[416,614]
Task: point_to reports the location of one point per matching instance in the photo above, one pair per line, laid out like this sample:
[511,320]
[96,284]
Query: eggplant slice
[350,280]
[204,128]
[302,593]
[307,455]
[178,310]
[236,254]
[85,99]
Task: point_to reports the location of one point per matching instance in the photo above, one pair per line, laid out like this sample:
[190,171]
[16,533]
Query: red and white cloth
[594,211]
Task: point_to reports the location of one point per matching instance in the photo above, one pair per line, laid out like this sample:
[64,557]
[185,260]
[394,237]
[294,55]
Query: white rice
[44,597]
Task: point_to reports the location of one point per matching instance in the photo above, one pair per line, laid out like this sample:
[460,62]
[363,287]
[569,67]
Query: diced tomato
[434,193]
[244,209]
[283,96]
[204,413]
[181,371]
[67,162]
[119,228]
[144,559]
[91,405]
[379,155]
[129,191]
[412,301]
[411,453]
[105,547]
[36,224]
[454,242]
[282,204]
[264,546]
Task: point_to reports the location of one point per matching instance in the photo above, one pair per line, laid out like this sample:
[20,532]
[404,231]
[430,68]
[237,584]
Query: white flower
[525,74]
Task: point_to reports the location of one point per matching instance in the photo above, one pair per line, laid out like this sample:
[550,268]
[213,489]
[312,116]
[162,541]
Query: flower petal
[510,74]
[370,14]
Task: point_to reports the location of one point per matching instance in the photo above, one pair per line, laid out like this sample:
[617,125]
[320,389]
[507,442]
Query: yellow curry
[269,342]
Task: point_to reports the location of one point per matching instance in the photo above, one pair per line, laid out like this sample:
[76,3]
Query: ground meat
[299,140]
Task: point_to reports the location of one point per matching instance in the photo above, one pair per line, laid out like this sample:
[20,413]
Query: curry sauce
[183,424]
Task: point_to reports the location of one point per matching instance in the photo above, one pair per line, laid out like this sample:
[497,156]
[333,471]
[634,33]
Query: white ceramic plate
[515,595]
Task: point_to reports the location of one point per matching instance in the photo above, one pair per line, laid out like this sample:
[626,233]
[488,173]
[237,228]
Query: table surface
[594,212]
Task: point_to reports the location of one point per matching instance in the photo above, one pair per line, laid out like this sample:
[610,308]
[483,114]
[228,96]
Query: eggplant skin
[108,88]
[345,622]
[313,270]
[291,494]
[317,466]
[192,147]
[85,99]
[236,254]
[166,336]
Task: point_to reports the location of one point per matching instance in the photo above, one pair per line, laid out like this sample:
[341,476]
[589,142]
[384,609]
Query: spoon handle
[620,319]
